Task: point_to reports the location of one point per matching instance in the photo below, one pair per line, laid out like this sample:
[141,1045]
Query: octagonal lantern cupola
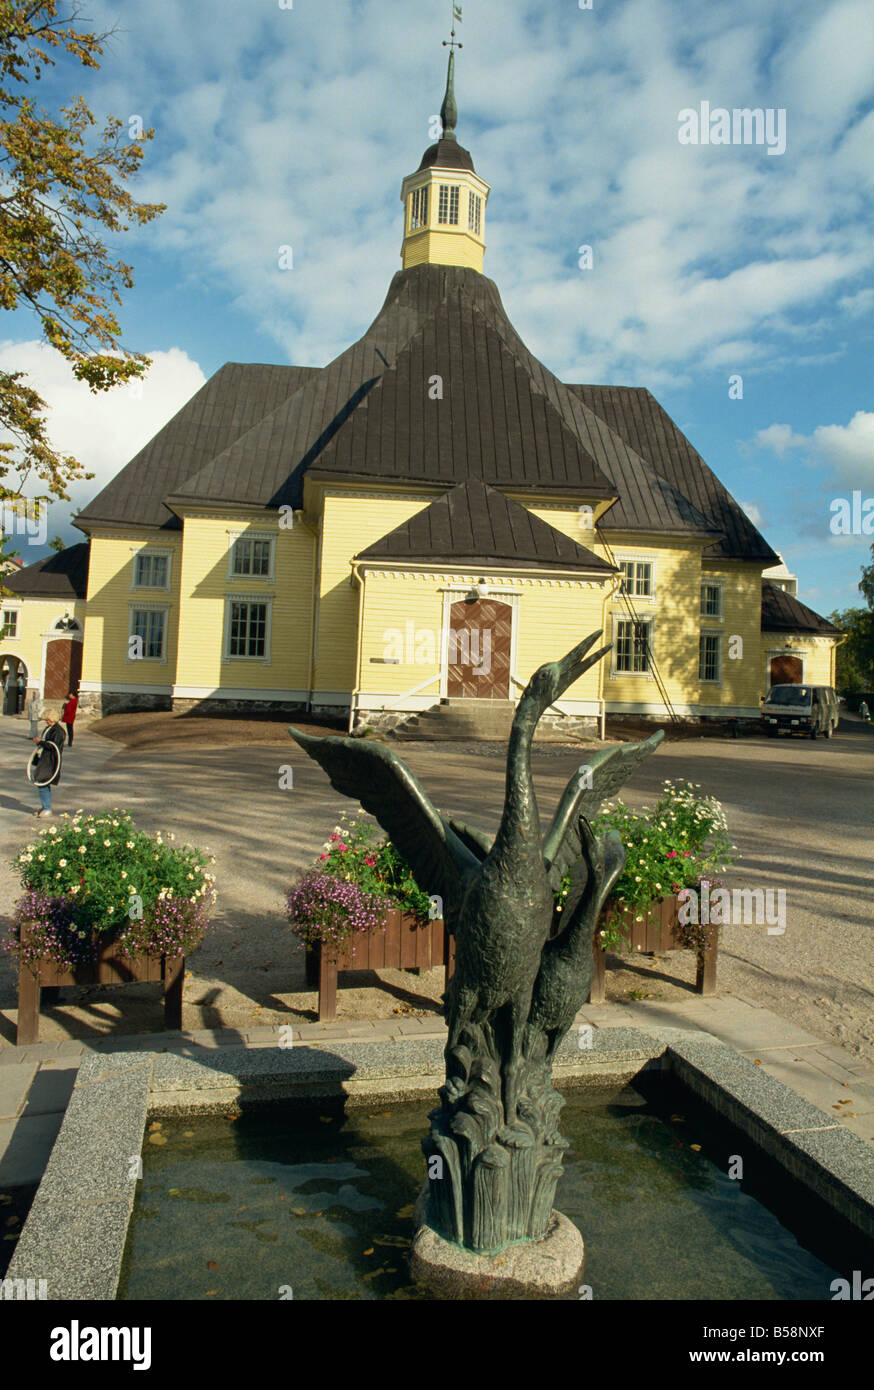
[445,200]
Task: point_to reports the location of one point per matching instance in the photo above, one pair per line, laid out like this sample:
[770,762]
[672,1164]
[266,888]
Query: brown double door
[480,637]
[63,669]
[786,670]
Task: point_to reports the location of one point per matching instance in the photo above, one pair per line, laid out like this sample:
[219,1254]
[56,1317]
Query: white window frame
[653,581]
[8,610]
[419,207]
[474,213]
[145,607]
[616,672]
[710,680]
[230,599]
[269,577]
[718,584]
[151,588]
[453,204]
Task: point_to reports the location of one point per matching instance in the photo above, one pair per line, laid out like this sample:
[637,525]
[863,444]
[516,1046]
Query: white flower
[62,863]
[124,873]
[107,842]
[75,888]
[81,849]
[40,857]
[91,830]
[129,844]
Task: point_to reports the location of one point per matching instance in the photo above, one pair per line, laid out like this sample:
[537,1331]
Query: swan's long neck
[519,833]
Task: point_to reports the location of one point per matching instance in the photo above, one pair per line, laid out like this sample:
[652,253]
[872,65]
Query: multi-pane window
[251,557]
[150,625]
[708,656]
[474,214]
[248,629]
[150,570]
[636,578]
[633,645]
[711,600]
[447,205]
[419,208]
[9,622]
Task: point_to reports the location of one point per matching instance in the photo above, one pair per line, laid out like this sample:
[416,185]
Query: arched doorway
[786,670]
[13,684]
[63,659]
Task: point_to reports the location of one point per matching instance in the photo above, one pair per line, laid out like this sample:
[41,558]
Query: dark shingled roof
[252,432]
[473,522]
[781,612]
[635,414]
[447,154]
[228,405]
[63,575]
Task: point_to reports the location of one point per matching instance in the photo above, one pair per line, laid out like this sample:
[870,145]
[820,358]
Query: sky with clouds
[281,123]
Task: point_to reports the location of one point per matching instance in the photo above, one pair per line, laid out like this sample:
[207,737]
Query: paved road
[801,813]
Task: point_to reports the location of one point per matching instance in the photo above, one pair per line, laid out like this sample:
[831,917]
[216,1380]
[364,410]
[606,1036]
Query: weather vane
[456,19]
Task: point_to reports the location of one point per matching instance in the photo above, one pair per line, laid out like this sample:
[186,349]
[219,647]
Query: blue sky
[294,126]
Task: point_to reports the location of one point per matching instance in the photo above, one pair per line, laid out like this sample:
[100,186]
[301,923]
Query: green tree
[62,189]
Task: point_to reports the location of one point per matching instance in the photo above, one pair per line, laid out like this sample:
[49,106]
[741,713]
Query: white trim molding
[252,535]
[267,600]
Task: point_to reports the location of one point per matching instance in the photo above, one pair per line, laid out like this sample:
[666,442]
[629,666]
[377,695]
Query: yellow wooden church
[424,520]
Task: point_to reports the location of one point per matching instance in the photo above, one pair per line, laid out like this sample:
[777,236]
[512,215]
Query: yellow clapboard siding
[110,597]
[36,618]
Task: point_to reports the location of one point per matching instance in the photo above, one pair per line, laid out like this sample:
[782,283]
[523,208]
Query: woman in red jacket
[69,715]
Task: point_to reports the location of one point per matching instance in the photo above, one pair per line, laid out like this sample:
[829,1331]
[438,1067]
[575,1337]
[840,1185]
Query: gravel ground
[801,813]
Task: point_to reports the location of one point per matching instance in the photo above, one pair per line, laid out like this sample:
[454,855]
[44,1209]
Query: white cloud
[103,430]
[848,448]
[778,438]
[754,514]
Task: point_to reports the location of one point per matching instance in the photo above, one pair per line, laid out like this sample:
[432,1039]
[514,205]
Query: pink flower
[672,854]
[687,854]
[370,860]
[323,856]
[341,847]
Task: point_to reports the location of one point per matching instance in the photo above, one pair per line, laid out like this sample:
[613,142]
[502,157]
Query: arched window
[67,624]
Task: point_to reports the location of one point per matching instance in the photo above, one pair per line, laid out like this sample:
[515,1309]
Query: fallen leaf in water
[851,1114]
[172,1191]
[299,1211]
[4,1199]
[757,1062]
[188,1133]
[696,1147]
[212,1264]
[677,1120]
[370,1251]
[209,1293]
[157,1139]
[156,1124]
[386,1114]
[405,1212]
[325,1119]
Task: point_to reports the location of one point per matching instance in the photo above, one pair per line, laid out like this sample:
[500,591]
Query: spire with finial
[449,110]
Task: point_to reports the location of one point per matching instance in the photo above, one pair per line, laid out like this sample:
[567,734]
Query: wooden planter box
[658,931]
[111,967]
[404,945]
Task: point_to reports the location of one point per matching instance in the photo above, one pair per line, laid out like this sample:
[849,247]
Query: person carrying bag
[44,768]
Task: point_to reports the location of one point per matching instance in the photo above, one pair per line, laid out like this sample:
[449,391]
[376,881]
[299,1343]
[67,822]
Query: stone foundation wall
[253,708]
[100,702]
[380,719]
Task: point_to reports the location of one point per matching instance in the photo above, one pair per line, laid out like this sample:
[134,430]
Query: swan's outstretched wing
[610,768]
[387,789]
[479,842]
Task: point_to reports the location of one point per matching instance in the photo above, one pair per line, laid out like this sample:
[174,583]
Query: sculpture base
[545,1268]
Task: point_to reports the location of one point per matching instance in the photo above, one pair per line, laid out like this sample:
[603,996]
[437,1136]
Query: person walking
[33,708]
[864,712]
[47,768]
[69,715]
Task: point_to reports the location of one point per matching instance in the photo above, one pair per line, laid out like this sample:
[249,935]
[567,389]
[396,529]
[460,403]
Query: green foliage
[681,841]
[855,655]
[62,192]
[104,863]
